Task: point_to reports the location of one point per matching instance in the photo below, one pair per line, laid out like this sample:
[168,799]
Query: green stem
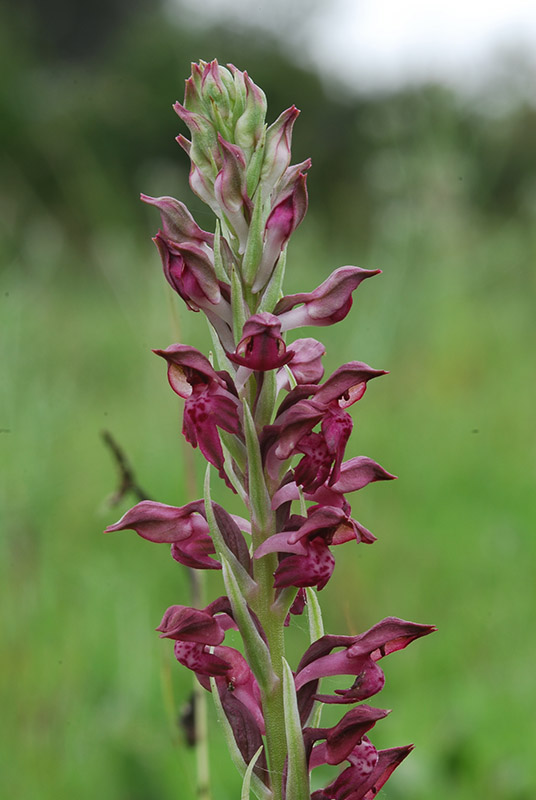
[272,701]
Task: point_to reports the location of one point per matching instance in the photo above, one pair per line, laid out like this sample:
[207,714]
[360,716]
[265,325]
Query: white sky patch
[379,43]
[385,41]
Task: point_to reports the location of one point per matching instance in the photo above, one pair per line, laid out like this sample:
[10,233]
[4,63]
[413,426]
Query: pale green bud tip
[228,100]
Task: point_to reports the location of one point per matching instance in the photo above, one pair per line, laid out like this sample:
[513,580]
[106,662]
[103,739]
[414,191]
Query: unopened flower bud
[250,125]
[213,90]
[282,222]
[189,270]
[177,222]
[328,303]
[306,363]
[277,150]
[230,188]
[204,151]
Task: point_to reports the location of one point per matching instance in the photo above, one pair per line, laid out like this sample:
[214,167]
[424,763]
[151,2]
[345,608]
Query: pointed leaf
[244,795]
[244,580]
[219,267]
[232,536]
[272,293]
[297,772]
[257,653]
[266,402]
[253,254]
[221,358]
[316,716]
[314,612]
[237,305]
[255,165]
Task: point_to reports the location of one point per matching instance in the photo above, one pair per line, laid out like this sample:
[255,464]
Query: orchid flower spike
[276,432]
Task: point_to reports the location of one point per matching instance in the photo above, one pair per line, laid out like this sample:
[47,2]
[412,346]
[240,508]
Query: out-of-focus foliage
[437,190]
[85,127]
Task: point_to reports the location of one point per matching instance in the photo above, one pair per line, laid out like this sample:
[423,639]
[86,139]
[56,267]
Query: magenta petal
[261,346]
[343,381]
[277,153]
[336,429]
[203,413]
[313,569]
[320,521]
[368,773]
[328,303]
[354,474]
[293,423]
[190,625]
[387,636]
[184,528]
[241,682]
[195,553]
[197,123]
[359,472]
[189,271]
[209,402]
[359,657]
[195,656]
[285,494]
[314,469]
[388,761]
[355,781]
[246,731]
[345,736]
[333,664]
[306,364]
[283,220]
[193,367]
[230,183]
[158,522]
[233,536]
[177,222]
[369,681]
[279,543]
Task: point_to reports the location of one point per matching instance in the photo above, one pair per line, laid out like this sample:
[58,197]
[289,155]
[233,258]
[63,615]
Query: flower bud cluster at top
[276,434]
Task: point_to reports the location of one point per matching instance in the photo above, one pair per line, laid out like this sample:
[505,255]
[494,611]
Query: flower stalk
[276,434]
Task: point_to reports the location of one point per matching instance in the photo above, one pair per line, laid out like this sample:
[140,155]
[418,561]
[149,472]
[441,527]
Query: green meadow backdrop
[437,190]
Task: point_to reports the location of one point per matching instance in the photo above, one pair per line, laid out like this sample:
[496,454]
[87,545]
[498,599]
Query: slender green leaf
[266,402]
[297,772]
[254,246]
[303,506]
[314,612]
[316,631]
[244,581]
[316,716]
[219,266]
[246,783]
[272,293]
[291,379]
[257,652]
[237,305]
[255,166]
[222,361]
[231,467]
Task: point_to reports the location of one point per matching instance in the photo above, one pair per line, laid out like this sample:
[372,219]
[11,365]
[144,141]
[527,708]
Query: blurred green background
[436,189]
